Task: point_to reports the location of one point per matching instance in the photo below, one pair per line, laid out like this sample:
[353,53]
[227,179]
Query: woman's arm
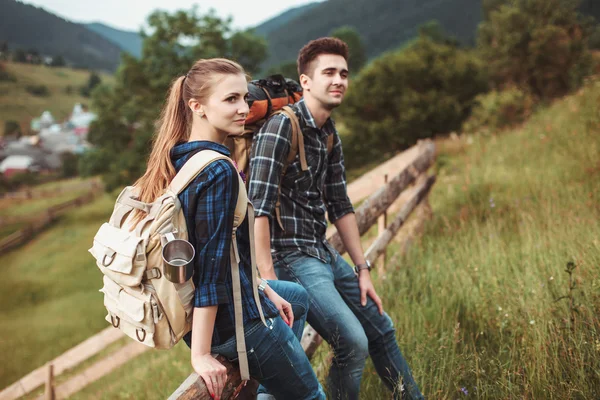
[212,371]
[213,234]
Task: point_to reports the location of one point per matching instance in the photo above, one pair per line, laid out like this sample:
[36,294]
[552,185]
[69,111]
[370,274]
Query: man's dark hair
[314,48]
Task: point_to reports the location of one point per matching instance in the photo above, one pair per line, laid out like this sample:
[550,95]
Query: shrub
[410,94]
[38,90]
[541,45]
[500,109]
[12,127]
[69,166]
[5,76]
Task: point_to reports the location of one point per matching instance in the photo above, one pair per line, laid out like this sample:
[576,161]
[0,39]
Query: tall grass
[477,303]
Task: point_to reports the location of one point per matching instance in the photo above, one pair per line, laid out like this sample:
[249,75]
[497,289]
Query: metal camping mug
[177,255]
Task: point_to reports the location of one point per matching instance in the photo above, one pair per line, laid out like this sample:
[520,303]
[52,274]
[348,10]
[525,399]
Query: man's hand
[367,289]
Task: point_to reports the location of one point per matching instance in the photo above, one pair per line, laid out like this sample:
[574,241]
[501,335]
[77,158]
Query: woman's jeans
[354,332]
[275,356]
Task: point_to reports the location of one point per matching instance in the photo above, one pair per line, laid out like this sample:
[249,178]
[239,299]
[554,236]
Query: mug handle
[166,238]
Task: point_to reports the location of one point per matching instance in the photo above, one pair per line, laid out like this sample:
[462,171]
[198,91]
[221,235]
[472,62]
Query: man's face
[328,81]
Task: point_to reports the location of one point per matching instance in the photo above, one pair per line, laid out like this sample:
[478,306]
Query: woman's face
[226,108]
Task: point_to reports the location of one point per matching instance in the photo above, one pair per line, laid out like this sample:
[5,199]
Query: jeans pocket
[254,364]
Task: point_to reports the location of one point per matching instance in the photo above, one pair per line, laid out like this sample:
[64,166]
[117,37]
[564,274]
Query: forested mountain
[30,28]
[383,24]
[276,22]
[128,41]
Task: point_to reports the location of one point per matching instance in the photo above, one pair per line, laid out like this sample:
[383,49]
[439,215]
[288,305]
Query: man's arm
[269,151]
[348,230]
[341,214]
[262,240]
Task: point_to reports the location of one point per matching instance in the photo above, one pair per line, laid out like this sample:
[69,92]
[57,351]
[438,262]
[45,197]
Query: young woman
[203,107]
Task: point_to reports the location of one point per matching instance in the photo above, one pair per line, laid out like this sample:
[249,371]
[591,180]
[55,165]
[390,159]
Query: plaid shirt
[305,195]
[208,204]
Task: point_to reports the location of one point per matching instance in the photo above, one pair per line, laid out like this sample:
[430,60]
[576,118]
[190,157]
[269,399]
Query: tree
[434,31]
[129,108]
[20,56]
[424,89]
[358,57]
[93,81]
[12,128]
[58,61]
[539,45]
[4,51]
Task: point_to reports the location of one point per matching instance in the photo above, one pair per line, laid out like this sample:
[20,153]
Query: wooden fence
[33,193]
[395,196]
[370,211]
[46,218]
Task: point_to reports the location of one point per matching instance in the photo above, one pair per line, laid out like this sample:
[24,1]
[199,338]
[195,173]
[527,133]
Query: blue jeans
[275,356]
[354,332]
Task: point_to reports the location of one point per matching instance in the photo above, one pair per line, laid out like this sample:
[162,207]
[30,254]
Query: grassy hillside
[474,302]
[19,105]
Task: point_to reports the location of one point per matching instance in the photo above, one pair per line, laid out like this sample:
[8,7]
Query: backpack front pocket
[133,312]
[120,255]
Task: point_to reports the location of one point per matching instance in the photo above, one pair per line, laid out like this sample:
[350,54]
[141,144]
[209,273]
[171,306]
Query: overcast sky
[131,14]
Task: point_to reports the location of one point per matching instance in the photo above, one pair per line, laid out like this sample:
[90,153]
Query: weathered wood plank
[381,243]
[378,202]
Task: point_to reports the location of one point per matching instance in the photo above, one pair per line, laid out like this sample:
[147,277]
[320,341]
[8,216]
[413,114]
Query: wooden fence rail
[44,219]
[366,215]
[70,359]
[33,193]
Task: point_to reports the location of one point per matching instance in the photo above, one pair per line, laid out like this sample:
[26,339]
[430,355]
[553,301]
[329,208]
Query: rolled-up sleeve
[336,195]
[270,148]
[213,231]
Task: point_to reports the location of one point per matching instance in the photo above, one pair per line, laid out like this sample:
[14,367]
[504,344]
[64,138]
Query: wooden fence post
[381,227]
[49,394]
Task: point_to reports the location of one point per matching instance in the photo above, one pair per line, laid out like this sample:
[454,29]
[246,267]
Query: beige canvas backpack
[140,301]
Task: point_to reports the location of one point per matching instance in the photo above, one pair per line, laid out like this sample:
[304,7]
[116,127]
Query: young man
[344,307]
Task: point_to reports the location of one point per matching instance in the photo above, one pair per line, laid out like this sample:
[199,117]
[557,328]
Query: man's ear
[305,82]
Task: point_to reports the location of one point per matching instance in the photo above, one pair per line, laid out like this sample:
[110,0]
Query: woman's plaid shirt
[208,204]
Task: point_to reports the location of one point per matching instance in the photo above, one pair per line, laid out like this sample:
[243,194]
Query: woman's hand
[285,308]
[213,372]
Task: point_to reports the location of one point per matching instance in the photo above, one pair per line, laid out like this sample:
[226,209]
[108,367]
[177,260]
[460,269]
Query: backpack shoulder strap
[297,145]
[185,175]
[330,143]
[192,168]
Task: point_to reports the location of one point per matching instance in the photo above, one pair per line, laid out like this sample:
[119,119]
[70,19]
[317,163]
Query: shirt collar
[310,121]
[183,148]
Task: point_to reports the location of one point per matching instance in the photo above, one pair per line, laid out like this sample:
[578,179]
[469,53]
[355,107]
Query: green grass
[474,301]
[49,291]
[19,105]
[28,209]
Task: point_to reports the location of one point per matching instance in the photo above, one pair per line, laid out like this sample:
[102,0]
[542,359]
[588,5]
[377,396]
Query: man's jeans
[275,356]
[353,331]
